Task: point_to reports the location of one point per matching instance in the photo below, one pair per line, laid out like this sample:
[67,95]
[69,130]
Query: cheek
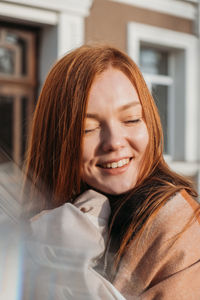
[88,164]
[89,146]
[86,161]
[86,156]
[141,137]
[144,138]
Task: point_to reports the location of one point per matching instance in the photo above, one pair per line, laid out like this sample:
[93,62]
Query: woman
[96,127]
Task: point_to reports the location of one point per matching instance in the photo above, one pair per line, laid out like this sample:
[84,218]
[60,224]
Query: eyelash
[132,121]
[90,130]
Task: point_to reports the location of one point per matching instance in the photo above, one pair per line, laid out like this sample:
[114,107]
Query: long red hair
[54,154]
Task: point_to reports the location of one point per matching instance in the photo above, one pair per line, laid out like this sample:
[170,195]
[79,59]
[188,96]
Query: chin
[113,188]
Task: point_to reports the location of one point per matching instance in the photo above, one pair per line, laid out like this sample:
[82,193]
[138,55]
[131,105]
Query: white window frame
[62,26]
[67,15]
[141,33]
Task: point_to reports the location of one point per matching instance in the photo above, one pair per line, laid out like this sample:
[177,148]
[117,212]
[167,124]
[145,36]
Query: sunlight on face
[115,137]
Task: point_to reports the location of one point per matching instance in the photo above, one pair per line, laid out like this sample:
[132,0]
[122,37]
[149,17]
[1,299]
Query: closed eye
[132,121]
[90,130]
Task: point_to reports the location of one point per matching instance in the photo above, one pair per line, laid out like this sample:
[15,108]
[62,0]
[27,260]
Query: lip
[116,171]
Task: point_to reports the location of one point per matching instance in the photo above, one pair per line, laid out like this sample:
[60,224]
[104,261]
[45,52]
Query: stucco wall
[108,20]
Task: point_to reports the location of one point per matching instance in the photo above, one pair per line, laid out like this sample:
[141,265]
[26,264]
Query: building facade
[162,36]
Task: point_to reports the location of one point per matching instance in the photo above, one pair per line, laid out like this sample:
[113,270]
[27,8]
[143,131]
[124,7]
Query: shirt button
[85,210]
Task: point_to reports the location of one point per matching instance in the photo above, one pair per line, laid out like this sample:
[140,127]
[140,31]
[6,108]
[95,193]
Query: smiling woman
[120,223]
[116,135]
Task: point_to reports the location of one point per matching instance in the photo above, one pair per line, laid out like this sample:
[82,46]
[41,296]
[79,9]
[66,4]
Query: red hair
[54,153]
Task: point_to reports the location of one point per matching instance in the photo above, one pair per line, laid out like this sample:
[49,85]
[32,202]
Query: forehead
[112,90]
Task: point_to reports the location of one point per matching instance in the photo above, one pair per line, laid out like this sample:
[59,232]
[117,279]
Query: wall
[107,22]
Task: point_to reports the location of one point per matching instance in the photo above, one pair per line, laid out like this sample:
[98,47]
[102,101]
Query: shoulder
[181,200]
[176,218]
[180,205]
[175,225]
[167,246]
[176,213]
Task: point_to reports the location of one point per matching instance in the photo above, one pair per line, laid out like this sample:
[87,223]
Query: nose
[113,138]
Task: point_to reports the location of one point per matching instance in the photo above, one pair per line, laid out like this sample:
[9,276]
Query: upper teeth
[116,164]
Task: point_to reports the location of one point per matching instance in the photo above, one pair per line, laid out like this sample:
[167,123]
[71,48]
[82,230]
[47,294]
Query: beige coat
[70,239]
[158,268]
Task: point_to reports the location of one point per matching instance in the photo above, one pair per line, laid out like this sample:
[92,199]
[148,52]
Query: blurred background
[162,36]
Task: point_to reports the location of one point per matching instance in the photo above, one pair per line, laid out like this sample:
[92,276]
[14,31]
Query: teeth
[118,164]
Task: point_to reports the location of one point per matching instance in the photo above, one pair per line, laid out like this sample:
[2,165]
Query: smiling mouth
[116,164]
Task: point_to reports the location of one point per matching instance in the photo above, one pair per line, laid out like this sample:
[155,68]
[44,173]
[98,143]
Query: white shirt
[67,242]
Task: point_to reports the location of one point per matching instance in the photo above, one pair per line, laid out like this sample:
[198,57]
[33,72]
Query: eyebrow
[120,109]
[127,106]
[92,116]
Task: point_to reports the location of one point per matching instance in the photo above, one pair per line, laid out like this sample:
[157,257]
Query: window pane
[160,94]
[7,58]
[153,61]
[13,38]
[6,123]
[17,61]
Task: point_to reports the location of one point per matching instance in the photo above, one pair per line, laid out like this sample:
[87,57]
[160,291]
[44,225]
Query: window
[154,64]
[17,84]
[181,82]
[169,62]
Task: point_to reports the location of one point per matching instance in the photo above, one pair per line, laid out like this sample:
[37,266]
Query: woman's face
[115,136]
